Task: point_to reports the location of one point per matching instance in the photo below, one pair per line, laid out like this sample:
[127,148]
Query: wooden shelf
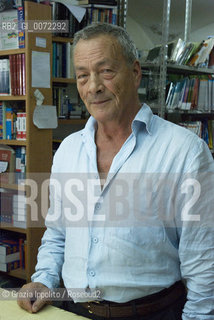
[178,68]
[63,80]
[18,273]
[62,39]
[13,186]
[11,51]
[12,98]
[72,121]
[13,142]
[10,227]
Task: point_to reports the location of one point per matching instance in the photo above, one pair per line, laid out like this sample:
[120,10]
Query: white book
[202,92]
[10,257]
[5,69]
[20,224]
[9,36]
[19,198]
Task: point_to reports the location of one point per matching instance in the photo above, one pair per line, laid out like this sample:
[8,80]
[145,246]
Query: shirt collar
[144,115]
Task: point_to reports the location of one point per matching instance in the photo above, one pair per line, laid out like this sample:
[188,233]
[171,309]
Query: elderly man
[153,200]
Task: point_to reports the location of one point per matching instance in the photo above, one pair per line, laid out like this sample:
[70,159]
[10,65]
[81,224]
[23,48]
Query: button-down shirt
[150,225]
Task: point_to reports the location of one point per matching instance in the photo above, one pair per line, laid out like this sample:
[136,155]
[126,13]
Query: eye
[106,71]
[82,76]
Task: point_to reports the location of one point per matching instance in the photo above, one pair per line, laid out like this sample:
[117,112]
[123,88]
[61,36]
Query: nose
[95,84]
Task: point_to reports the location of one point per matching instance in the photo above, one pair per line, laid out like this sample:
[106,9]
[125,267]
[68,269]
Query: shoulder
[70,146]
[171,132]
[186,146]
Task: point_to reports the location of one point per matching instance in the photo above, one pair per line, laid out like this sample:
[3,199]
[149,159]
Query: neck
[117,128]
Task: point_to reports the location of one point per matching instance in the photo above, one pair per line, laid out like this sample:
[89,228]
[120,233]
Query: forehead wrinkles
[98,48]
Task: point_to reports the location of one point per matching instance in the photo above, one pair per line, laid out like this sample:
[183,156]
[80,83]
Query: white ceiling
[149,13]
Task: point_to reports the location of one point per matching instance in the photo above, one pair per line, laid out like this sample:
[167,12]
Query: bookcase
[156,75]
[38,142]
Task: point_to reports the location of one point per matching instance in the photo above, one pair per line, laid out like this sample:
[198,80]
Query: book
[7,267]
[201,58]
[23,75]
[202,92]
[9,36]
[21,30]
[8,246]
[1,120]
[9,123]
[9,257]
[7,162]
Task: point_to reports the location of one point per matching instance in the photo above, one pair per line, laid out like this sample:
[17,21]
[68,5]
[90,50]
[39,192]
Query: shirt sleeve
[196,246]
[50,257]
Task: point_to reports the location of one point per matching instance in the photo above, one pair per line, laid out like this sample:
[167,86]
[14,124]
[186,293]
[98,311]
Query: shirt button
[95,240]
[97,206]
[92,273]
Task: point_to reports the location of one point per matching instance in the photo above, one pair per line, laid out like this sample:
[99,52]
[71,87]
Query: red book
[23,75]
[15,74]
[19,73]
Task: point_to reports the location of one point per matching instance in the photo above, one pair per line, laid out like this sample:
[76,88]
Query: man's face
[106,83]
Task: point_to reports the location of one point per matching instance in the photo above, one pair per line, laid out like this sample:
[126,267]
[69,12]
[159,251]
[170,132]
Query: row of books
[61,12]
[204,129]
[62,65]
[12,29]
[98,12]
[108,15]
[12,252]
[12,122]
[196,54]
[12,75]
[191,94]
[13,209]
[13,164]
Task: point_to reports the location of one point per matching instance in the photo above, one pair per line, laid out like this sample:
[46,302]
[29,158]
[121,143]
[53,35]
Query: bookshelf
[38,142]
[95,12]
[162,71]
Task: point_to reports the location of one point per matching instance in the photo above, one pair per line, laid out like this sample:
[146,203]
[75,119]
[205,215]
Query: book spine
[15,75]
[23,118]
[5,76]
[1,120]
[7,267]
[9,123]
[8,246]
[11,74]
[21,31]
[23,75]
[4,119]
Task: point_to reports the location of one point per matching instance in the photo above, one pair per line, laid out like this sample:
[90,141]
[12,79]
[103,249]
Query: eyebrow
[98,64]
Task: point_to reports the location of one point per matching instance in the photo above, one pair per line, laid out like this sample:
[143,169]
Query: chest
[105,157]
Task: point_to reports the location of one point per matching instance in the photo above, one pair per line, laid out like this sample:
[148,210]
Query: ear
[137,73]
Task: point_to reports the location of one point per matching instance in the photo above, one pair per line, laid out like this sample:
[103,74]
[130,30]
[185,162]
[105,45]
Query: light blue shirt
[131,238]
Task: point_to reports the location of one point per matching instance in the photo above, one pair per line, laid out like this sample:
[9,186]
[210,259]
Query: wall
[202,33]
[139,36]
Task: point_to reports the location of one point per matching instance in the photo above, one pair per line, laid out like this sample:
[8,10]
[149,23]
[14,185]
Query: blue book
[21,30]
[9,123]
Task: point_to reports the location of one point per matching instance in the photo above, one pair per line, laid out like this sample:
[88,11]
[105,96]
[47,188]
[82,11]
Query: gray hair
[96,29]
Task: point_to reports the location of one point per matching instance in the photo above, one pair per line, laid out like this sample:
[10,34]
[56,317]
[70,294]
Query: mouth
[100,102]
